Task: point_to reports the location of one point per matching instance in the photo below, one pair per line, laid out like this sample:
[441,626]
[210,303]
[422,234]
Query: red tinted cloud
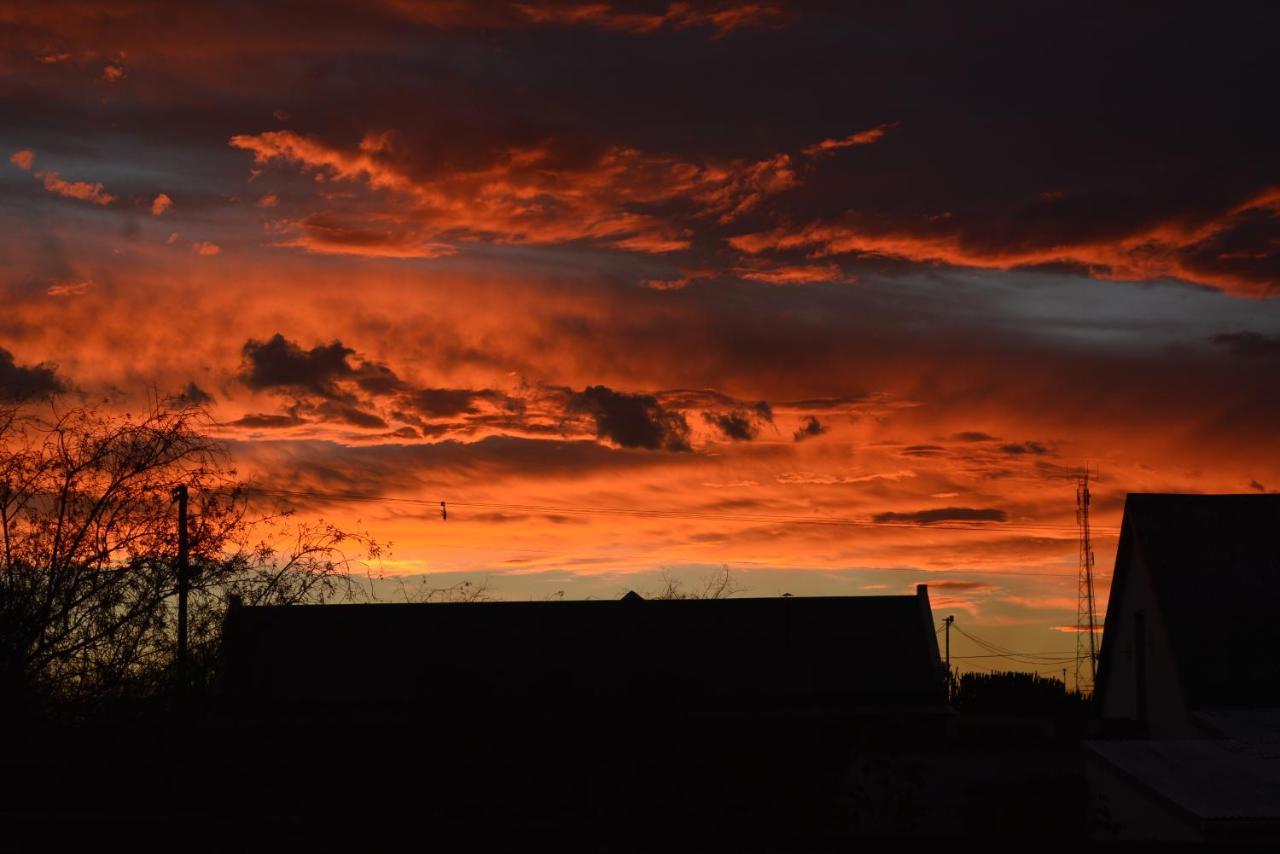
[865,137]
[794,274]
[23,159]
[327,235]
[531,195]
[76,190]
[161,204]
[1190,250]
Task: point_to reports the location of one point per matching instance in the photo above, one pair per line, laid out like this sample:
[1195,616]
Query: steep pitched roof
[1214,566]
[852,650]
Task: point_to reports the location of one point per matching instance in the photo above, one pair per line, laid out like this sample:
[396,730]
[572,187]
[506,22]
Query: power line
[952,525]
[994,650]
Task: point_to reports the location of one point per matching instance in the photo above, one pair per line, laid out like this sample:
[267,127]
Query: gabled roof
[1214,567]
[852,650]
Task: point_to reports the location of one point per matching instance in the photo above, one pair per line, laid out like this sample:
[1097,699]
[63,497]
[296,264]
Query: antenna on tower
[1086,614]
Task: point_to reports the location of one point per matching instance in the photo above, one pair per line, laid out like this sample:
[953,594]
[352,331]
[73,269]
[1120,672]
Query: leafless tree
[717,585]
[89,538]
[464,591]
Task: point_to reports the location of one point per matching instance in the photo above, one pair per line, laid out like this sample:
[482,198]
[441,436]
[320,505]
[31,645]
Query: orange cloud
[78,190]
[161,204]
[113,73]
[865,137]
[1171,249]
[268,201]
[23,159]
[795,274]
[204,247]
[326,235]
[529,195]
[67,288]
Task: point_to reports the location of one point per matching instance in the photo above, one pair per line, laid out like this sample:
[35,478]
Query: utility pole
[184,583]
[947,621]
[1086,620]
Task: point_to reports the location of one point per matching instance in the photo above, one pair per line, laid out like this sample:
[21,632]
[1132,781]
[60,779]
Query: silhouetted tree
[1014,693]
[88,541]
[717,585]
[421,591]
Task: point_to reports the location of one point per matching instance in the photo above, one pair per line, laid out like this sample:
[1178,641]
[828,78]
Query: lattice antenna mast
[1086,613]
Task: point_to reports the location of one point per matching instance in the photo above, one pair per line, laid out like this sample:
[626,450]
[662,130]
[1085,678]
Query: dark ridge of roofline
[1253,496]
[909,597]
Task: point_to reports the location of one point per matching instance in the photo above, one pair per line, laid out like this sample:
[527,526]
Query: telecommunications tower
[1086,619]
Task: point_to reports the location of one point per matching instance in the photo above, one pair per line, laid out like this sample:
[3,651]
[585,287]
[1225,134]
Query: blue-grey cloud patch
[1248,345]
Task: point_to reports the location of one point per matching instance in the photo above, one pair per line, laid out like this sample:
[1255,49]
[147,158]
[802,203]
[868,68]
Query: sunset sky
[837,295]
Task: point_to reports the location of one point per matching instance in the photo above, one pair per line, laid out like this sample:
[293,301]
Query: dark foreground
[587,779]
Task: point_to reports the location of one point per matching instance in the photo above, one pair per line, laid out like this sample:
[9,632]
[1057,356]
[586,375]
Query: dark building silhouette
[835,653]
[730,714]
[1188,688]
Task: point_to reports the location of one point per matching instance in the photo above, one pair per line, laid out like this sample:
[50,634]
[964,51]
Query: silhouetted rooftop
[1214,565]
[873,650]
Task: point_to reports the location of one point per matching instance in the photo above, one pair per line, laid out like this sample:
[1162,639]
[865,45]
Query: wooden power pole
[184,585]
[950,681]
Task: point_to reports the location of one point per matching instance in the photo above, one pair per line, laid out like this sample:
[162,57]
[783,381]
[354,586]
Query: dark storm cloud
[23,382]
[632,420]
[923,451]
[737,425]
[945,514]
[342,412]
[1249,345]
[259,421]
[280,363]
[972,436]
[331,383]
[444,401]
[376,378]
[741,424]
[1021,448]
[809,428]
[194,394]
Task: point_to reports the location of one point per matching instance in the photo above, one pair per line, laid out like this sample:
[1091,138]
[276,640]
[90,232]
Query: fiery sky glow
[837,299]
